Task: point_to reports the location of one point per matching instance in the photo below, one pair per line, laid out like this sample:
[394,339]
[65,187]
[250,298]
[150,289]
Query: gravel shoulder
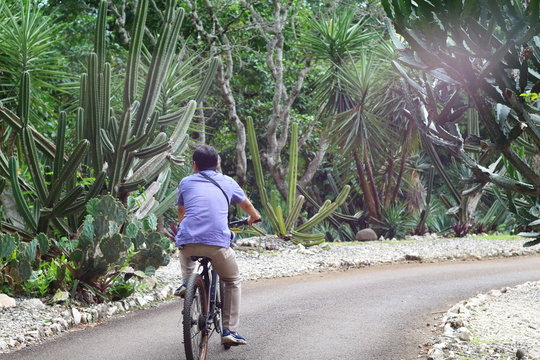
[501,324]
[476,334]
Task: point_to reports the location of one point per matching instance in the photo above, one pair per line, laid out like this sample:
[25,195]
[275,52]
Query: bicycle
[203,303]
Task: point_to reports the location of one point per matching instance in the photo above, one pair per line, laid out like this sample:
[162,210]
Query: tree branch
[120,21]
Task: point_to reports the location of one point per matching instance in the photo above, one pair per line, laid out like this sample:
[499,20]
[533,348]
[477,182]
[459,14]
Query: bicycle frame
[211,283]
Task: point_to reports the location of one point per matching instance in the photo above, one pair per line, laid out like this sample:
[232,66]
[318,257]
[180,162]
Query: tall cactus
[128,140]
[285,226]
[127,152]
[48,201]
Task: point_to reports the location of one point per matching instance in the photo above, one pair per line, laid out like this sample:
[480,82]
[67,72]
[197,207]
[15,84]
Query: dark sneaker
[232,338]
[181,291]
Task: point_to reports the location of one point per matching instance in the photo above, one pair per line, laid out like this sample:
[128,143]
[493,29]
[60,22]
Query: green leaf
[153,238]
[112,248]
[101,226]
[138,240]
[529,234]
[131,230]
[150,222]
[24,270]
[120,214]
[87,234]
[107,206]
[43,242]
[93,207]
[531,243]
[31,250]
[7,246]
[76,256]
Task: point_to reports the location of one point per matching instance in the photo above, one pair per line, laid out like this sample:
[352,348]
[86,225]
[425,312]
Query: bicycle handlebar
[242,222]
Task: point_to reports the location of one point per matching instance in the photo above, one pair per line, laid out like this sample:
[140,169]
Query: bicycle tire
[194,318]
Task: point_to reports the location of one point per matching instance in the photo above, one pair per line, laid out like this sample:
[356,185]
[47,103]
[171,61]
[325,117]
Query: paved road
[373,313]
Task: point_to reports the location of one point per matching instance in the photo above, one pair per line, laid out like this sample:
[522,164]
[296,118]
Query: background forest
[335,116]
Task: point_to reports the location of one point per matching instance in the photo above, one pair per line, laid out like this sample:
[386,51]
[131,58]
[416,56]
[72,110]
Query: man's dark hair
[206,157]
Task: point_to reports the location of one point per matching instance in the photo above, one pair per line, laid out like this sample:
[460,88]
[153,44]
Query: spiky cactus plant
[105,242]
[17,257]
[285,224]
[119,154]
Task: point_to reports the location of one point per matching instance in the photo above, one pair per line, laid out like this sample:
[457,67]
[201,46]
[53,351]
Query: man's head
[205,158]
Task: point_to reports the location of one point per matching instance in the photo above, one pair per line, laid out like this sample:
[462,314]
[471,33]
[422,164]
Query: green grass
[502,237]
[354,243]
[489,342]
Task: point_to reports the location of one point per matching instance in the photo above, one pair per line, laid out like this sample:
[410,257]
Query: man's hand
[248,207]
[252,220]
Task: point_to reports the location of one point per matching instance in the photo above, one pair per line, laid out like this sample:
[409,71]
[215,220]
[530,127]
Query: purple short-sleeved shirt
[205,220]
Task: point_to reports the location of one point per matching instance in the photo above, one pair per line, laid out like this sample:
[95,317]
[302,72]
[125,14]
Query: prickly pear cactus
[110,240]
[17,257]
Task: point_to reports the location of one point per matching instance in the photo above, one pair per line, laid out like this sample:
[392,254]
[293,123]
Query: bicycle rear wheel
[195,314]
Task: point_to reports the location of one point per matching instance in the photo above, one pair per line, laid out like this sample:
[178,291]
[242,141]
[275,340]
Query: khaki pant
[224,261]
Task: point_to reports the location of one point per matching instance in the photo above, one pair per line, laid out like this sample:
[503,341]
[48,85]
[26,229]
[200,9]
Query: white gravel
[268,257]
[502,324]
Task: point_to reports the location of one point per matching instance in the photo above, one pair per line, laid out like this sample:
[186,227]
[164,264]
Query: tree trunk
[369,200]
[223,76]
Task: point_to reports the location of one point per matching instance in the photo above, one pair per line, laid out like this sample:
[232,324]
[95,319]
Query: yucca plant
[395,222]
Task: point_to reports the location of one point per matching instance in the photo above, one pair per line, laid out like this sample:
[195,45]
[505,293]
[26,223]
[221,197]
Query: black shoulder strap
[215,183]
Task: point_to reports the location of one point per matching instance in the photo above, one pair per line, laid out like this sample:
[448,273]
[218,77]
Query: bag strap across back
[220,188]
[224,194]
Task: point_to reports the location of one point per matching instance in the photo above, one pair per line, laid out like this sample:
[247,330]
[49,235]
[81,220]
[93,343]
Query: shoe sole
[232,343]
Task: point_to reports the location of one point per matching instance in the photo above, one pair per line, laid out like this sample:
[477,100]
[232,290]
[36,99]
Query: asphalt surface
[379,312]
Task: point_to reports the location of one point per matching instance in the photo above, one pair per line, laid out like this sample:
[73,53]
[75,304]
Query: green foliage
[29,44]
[534,233]
[530,96]
[444,44]
[110,240]
[17,258]
[395,222]
[285,225]
[49,276]
[132,147]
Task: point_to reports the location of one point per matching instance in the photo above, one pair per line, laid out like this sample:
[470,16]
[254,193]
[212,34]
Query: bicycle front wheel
[195,314]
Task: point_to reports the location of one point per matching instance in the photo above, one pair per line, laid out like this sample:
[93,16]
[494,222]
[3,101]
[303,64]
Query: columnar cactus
[285,225]
[127,152]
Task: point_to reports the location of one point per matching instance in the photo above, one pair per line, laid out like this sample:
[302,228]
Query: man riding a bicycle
[203,206]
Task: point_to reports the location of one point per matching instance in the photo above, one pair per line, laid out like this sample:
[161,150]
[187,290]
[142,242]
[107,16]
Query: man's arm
[248,207]
[181,213]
